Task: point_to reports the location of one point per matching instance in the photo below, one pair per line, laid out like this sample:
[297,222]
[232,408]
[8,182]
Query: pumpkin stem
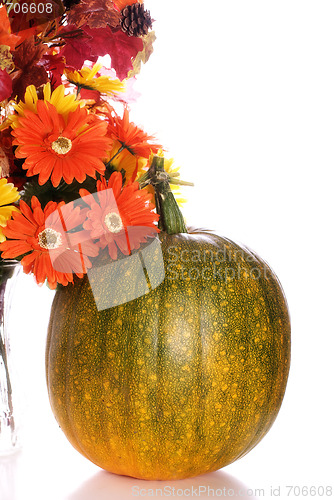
[171,219]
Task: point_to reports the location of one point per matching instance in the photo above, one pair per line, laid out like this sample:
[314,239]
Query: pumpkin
[182,380]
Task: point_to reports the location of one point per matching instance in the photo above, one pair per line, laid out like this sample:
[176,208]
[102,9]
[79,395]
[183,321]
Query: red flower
[55,65]
[119,217]
[53,254]
[6,85]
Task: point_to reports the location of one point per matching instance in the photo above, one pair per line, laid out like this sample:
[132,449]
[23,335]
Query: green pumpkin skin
[181,381]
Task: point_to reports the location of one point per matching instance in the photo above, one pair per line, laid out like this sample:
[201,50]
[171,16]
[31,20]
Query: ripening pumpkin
[182,380]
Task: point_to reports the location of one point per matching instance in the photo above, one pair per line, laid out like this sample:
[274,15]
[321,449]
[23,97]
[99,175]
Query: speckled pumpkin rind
[181,381]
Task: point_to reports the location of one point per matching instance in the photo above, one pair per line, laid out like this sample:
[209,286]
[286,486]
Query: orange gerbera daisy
[131,137]
[57,147]
[52,254]
[119,217]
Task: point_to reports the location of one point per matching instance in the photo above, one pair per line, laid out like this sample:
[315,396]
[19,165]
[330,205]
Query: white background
[242,95]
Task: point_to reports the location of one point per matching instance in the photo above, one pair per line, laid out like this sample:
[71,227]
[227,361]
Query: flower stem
[77,95]
[3,358]
[179,182]
[116,154]
[171,219]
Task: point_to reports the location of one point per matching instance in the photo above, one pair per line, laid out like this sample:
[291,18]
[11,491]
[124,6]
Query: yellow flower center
[62,145]
[114,223]
[49,239]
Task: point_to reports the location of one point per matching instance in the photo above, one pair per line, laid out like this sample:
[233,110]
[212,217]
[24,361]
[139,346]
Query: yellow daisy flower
[64,104]
[173,171]
[8,194]
[86,79]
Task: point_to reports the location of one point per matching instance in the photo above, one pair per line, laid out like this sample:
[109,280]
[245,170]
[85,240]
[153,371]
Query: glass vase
[9,417]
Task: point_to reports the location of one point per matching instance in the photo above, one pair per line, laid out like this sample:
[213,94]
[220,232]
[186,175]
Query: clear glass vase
[9,414]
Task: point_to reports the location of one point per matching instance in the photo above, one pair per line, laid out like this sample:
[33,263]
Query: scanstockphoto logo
[203,491]
[128,278]
[224,264]
[74,237]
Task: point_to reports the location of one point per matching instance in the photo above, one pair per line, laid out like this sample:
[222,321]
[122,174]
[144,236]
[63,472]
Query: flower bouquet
[63,139]
[168,348]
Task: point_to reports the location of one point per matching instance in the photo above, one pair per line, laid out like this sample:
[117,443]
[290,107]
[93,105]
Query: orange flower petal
[37,132]
[72,253]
